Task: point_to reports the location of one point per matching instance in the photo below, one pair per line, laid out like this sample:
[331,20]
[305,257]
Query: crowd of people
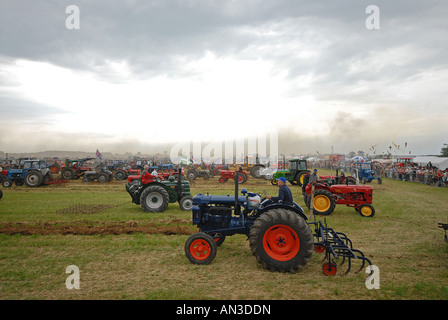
[424,174]
[412,172]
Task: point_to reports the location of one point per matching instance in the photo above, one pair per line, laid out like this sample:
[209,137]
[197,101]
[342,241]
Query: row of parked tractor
[34,173]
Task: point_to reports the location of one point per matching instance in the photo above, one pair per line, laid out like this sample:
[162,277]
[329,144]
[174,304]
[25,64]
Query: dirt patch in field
[85,208]
[90,228]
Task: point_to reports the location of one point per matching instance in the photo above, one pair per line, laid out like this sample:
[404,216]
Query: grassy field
[124,253]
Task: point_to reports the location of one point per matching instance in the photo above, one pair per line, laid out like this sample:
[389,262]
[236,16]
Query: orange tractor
[229,174]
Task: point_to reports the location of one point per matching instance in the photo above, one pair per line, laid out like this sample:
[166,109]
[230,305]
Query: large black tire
[242,178]
[1,194]
[351,180]
[200,248]
[192,174]
[120,175]
[33,179]
[323,202]
[102,177]
[281,241]
[255,171]
[154,199]
[299,177]
[67,173]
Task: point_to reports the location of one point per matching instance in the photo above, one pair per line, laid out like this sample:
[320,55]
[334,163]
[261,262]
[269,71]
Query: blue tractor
[366,172]
[33,173]
[279,236]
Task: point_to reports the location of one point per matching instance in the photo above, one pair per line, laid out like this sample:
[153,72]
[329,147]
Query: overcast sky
[137,74]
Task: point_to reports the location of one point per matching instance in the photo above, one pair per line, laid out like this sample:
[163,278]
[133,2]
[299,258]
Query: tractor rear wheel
[241,178]
[348,180]
[154,199]
[323,203]
[299,177]
[192,174]
[102,178]
[120,175]
[33,179]
[200,248]
[67,173]
[281,241]
[255,171]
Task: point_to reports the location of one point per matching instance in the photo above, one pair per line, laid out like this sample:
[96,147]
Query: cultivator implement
[337,247]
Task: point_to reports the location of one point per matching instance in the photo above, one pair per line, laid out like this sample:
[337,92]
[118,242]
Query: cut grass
[402,239]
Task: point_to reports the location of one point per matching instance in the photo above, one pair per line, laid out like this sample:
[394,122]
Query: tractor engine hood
[223,200]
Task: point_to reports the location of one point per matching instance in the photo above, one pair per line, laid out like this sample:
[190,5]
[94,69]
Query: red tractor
[229,174]
[74,169]
[324,197]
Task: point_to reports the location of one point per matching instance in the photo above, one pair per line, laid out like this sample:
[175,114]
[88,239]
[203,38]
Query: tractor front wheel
[281,241]
[200,248]
[366,210]
[7,183]
[186,203]
[154,199]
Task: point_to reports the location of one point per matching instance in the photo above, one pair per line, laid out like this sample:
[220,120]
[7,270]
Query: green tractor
[297,169]
[154,194]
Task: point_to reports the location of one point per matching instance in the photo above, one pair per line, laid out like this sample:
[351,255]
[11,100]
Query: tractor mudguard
[295,207]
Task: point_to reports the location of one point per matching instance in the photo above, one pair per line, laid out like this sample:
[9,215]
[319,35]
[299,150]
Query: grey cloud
[157,36]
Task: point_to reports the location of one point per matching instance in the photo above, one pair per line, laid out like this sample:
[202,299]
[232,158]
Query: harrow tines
[337,245]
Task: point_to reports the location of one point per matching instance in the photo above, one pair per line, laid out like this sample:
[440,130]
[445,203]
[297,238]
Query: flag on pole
[98,154]
[185,160]
[398,147]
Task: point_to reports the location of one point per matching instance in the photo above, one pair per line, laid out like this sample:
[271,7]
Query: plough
[335,245]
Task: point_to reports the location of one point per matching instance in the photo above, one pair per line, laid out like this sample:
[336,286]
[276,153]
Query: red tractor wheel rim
[240,178]
[281,243]
[200,249]
[329,269]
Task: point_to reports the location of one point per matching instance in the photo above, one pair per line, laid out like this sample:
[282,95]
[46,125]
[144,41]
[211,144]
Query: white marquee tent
[441,163]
